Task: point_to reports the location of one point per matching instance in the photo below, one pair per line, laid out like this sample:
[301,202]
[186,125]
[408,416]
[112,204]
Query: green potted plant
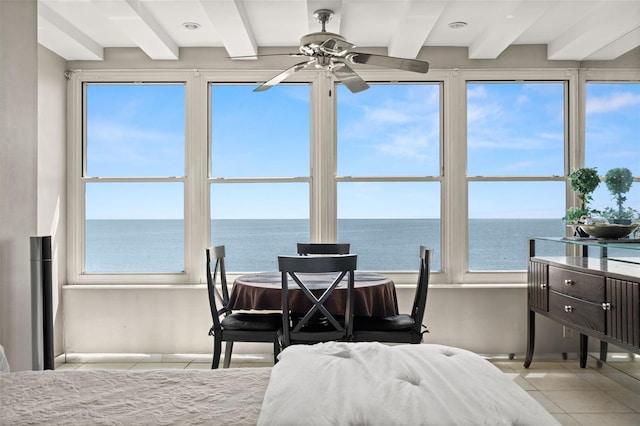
[619,181]
[583,182]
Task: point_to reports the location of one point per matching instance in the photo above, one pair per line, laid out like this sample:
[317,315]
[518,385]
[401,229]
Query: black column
[41,304]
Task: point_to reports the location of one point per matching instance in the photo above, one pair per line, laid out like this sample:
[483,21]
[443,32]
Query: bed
[325,384]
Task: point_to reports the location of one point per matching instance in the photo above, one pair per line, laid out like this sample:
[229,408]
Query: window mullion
[454,186]
[196,191]
[323,209]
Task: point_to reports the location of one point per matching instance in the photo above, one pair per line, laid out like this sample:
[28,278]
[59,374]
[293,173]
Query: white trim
[75,193]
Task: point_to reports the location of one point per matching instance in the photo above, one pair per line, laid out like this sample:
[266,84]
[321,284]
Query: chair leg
[228,348]
[276,349]
[217,350]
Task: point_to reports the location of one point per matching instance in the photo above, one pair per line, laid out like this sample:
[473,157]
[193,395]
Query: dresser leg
[531,338]
[584,340]
[604,348]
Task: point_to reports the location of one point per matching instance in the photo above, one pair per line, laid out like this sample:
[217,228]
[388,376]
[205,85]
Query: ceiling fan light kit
[331,52]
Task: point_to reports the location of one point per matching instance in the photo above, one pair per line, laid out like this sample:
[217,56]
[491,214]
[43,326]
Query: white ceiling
[571,29]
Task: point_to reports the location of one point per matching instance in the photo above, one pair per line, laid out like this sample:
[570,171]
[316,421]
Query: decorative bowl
[608,231]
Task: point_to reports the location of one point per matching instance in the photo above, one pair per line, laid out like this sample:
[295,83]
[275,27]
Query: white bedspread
[373,384]
[119,397]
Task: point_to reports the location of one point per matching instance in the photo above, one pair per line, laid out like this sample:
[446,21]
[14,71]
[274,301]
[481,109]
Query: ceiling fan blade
[349,77]
[283,75]
[413,65]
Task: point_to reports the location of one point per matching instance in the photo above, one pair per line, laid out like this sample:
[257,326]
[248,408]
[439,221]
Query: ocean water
[130,246]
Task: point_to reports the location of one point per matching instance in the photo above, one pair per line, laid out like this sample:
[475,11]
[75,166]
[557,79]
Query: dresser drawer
[578,312]
[537,285]
[584,286]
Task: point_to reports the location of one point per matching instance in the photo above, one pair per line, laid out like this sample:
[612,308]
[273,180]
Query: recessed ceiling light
[191,25]
[457,25]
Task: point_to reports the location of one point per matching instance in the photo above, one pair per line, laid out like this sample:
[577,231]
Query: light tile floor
[596,395]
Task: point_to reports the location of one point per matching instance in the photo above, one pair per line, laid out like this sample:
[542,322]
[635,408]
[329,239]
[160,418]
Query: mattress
[120,397]
[373,384]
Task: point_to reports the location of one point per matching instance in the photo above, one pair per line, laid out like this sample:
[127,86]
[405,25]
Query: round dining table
[374,294]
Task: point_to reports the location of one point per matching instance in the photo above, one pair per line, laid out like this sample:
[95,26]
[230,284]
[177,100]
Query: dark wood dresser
[596,294]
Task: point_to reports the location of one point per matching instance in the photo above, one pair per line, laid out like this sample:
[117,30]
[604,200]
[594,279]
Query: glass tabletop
[624,243]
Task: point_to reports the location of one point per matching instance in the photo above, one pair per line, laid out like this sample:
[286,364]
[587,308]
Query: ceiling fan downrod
[323,16]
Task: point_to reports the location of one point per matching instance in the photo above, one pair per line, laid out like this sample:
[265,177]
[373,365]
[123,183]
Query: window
[388,164]
[515,157]
[260,173]
[164,168]
[133,178]
[612,138]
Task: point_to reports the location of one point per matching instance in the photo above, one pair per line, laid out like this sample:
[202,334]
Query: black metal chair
[317,324]
[305,249]
[403,328]
[232,327]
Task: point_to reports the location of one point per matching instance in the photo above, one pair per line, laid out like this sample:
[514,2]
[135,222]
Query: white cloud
[540,141]
[387,116]
[613,102]
[477,92]
[477,112]
[408,145]
[109,142]
[114,132]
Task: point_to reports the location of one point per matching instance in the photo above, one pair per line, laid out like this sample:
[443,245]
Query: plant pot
[608,231]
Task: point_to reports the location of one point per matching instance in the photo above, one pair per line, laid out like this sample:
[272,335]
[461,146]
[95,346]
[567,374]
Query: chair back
[216,254]
[317,324]
[420,298]
[305,249]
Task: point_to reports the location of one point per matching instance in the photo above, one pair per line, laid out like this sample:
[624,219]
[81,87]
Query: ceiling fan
[332,52]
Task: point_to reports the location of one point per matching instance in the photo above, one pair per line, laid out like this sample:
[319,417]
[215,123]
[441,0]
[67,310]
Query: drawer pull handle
[543,286]
[568,308]
[606,306]
[568,282]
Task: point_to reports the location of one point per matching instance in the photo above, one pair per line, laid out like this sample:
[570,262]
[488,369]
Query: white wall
[32,172]
[18,174]
[174,319]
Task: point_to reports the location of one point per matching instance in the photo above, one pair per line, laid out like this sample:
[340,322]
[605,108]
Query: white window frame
[76,177]
[435,78]
[324,179]
[598,76]
[460,266]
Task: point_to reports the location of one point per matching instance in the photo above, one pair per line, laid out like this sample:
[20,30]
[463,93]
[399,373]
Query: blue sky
[390,130]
